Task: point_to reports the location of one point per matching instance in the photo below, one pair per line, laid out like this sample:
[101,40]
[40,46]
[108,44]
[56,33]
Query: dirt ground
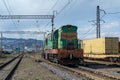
[5,57]
[31,70]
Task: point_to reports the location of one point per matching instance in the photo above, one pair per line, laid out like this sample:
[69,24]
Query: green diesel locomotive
[62,46]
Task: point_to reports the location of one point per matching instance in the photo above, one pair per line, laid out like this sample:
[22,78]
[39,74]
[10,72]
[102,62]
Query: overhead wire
[114,13]
[86,34]
[94,21]
[5,4]
[72,5]
[111,13]
[69,7]
[61,10]
[106,13]
[46,25]
[64,7]
[53,6]
[6,7]
[37,22]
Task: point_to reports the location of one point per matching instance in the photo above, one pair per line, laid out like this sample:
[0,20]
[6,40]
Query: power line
[114,13]
[71,5]
[64,7]
[7,2]
[4,2]
[6,7]
[58,13]
[53,6]
[50,10]
[106,13]
[86,34]
[99,18]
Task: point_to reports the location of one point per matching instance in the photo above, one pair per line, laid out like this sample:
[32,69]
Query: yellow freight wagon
[107,45]
[101,48]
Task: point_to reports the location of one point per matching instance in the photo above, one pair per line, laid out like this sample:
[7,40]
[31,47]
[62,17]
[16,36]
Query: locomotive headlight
[69,27]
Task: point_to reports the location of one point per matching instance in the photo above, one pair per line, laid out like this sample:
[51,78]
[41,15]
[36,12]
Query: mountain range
[13,43]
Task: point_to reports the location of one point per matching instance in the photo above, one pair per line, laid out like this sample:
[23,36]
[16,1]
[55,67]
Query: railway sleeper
[113,59]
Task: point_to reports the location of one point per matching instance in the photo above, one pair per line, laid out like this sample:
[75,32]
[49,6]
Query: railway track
[90,74]
[102,60]
[87,72]
[98,74]
[7,69]
[74,70]
[106,70]
[117,64]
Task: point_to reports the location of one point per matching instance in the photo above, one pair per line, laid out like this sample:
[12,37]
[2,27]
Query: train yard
[63,57]
[34,67]
[67,47]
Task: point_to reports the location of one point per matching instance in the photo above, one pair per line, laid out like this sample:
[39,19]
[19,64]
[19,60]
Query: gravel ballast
[30,70]
[63,74]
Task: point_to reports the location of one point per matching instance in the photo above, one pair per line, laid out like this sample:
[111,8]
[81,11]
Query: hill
[13,43]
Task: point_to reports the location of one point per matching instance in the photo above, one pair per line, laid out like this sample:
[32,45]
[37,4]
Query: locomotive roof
[67,26]
[48,35]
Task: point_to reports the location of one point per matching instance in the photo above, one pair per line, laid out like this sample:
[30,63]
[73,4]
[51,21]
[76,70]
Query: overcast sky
[75,12]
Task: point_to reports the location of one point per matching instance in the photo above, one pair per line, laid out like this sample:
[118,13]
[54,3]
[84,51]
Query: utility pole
[42,52]
[22,46]
[52,27]
[98,22]
[52,30]
[1,45]
[52,24]
[36,46]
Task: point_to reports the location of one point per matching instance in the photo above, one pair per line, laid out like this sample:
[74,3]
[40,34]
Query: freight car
[62,46]
[102,49]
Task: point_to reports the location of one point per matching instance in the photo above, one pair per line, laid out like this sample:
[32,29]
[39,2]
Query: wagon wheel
[111,59]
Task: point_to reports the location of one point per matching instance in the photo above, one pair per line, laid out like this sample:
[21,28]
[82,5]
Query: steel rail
[88,73]
[7,63]
[9,76]
[97,73]
[7,70]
